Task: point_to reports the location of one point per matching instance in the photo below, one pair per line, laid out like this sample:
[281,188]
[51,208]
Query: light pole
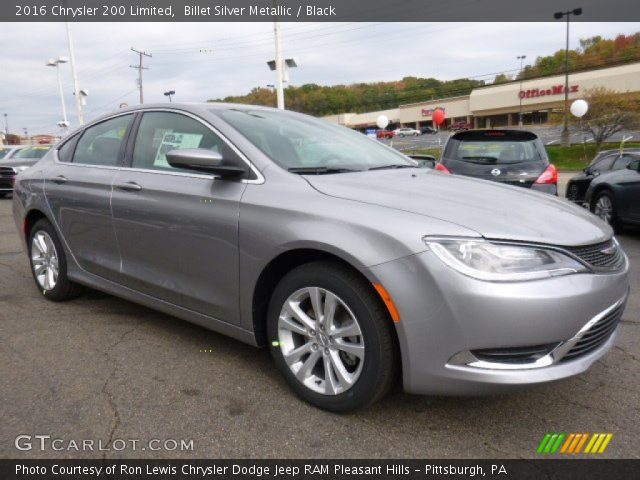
[565,129]
[521,58]
[278,67]
[55,62]
[74,74]
[6,124]
[169,93]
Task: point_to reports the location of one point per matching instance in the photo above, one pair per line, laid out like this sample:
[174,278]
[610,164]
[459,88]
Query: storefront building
[501,105]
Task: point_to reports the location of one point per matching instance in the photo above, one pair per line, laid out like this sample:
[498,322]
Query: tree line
[321,100]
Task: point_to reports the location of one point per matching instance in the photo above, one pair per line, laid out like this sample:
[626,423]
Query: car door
[177,229]
[78,191]
[628,189]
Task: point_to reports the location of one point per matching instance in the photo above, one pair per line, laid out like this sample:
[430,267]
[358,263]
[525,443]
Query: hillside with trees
[321,100]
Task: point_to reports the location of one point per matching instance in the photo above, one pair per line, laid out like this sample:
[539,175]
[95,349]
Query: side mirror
[203,160]
[424,161]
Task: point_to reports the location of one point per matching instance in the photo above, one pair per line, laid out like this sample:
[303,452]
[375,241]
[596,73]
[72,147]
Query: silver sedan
[352,265]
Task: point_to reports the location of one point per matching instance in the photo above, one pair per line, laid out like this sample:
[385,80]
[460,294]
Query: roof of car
[490,134]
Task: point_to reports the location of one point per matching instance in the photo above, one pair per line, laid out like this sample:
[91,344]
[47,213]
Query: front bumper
[444,315]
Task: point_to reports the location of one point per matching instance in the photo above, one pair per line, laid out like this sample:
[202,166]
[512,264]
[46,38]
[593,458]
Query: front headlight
[501,262]
[19,169]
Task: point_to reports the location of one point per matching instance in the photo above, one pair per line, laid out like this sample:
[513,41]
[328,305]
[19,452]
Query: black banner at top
[314,10]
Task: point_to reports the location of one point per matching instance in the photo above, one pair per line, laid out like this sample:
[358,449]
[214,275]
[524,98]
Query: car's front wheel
[49,264]
[603,206]
[331,337]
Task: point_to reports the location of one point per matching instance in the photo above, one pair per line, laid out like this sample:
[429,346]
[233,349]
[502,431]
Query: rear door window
[101,144]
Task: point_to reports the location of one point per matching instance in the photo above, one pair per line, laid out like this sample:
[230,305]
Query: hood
[493,210]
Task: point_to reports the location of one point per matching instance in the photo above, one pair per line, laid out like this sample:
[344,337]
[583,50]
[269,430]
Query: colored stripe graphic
[572,443]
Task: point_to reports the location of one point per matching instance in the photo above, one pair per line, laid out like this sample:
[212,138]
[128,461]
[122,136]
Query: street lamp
[565,129]
[55,62]
[169,93]
[6,124]
[521,58]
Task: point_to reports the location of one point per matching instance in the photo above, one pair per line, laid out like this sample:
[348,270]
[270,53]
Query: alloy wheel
[604,208]
[44,260]
[321,340]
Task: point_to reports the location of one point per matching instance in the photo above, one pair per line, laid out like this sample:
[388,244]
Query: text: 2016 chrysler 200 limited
[351,264]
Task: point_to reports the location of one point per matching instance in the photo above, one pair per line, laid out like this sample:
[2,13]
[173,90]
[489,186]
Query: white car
[406,132]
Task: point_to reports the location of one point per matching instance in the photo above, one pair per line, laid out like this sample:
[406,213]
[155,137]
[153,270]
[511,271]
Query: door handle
[60,179]
[128,187]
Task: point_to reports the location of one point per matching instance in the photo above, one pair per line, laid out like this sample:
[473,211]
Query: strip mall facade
[500,105]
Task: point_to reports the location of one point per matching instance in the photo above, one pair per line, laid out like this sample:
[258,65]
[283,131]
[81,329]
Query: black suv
[603,162]
[514,157]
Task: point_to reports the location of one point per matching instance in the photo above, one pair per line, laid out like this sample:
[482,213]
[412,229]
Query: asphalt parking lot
[104,369]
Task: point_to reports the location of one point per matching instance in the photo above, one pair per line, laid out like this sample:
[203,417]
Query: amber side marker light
[386,298]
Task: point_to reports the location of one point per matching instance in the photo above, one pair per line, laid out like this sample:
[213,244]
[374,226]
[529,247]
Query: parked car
[424,161]
[6,152]
[605,161]
[428,130]
[385,134]
[351,264]
[514,157]
[406,132]
[614,196]
[21,159]
[460,126]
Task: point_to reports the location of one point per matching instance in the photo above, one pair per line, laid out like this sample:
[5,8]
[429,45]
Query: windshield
[32,152]
[498,151]
[299,142]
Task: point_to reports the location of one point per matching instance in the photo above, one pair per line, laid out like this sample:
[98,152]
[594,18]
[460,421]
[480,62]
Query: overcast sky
[233,56]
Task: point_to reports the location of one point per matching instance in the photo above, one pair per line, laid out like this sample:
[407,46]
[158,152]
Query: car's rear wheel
[49,264]
[603,206]
[331,337]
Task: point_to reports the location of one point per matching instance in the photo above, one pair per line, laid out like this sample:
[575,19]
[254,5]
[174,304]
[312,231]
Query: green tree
[608,114]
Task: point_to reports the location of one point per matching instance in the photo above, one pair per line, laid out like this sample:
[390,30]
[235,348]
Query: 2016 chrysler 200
[350,263]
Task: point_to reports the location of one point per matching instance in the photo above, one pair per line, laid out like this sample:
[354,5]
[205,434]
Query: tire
[603,205]
[359,311]
[42,241]
[401,135]
[3,194]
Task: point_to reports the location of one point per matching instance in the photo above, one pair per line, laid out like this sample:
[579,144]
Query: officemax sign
[544,92]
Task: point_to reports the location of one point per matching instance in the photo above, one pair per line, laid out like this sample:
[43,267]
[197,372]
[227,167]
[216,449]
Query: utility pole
[140,68]
[76,88]
[6,124]
[279,66]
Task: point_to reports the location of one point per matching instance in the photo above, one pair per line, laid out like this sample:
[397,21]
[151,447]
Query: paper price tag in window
[175,141]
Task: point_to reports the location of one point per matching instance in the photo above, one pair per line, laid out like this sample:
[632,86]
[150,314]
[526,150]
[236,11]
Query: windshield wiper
[393,165]
[320,170]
